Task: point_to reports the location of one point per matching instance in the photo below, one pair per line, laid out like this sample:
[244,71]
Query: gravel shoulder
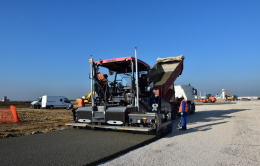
[227,134]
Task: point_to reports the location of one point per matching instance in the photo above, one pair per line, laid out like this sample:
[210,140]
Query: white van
[55,102]
[37,104]
[52,102]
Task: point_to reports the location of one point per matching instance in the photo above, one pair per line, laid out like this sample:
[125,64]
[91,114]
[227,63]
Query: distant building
[248,97]
[5,99]
[224,93]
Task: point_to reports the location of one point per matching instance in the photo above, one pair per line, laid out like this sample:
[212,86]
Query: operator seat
[143,84]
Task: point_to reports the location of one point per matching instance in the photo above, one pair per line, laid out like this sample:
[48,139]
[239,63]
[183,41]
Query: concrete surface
[227,134]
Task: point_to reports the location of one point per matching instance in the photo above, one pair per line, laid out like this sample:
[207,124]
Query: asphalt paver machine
[138,98]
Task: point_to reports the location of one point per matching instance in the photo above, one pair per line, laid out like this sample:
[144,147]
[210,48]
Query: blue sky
[45,45]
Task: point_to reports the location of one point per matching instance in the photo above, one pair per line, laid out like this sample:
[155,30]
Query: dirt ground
[33,121]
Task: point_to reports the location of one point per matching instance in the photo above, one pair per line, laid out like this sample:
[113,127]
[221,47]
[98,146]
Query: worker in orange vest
[183,111]
[81,102]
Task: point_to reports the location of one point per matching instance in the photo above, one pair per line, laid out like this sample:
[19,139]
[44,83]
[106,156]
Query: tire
[51,107]
[159,133]
[210,101]
[173,114]
[192,108]
[169,128]
[189,109]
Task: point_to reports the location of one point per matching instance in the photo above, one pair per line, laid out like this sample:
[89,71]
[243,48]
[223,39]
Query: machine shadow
[215,117]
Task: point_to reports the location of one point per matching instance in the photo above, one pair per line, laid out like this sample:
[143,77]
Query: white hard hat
[83,97]
[180,96]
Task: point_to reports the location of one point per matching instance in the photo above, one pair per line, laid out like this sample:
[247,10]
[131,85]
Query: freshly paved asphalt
[68,147]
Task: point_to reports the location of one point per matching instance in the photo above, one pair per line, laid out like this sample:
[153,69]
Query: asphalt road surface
[68,147]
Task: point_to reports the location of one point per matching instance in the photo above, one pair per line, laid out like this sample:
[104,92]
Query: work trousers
[183,121]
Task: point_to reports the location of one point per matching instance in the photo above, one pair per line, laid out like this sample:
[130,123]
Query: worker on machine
[102,78]
[81,102]
[183,111]
[101,87]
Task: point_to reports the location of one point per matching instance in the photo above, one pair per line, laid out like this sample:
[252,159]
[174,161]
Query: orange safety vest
[186,107]
[81,103]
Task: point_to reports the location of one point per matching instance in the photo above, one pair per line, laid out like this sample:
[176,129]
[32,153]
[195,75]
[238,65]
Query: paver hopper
[164,74]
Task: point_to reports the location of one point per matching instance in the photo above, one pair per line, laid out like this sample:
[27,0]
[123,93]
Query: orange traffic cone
[14,112]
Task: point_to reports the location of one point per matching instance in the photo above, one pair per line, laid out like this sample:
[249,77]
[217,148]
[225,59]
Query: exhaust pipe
[137,86]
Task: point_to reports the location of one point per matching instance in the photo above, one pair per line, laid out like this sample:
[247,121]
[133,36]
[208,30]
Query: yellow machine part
[229,97]
[87,98]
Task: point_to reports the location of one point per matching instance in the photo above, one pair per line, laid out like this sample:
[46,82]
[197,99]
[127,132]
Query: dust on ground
[33,121]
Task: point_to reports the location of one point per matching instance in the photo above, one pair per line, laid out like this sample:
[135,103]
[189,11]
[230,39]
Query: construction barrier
[9,115]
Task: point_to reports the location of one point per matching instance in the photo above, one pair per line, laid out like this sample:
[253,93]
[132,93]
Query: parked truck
[51,102]
[142,104]
[188,92]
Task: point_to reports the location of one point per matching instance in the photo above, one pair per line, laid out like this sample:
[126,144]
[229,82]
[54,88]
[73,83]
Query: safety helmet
[83,97]
[180,96]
